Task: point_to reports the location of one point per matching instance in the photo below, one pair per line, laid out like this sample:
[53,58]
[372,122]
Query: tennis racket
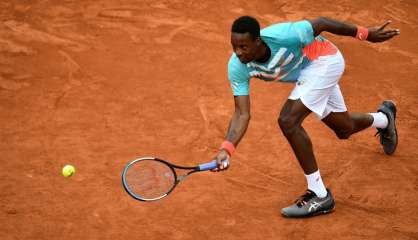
[150,178]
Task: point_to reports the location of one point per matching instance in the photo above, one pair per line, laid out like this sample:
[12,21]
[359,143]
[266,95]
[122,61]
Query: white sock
[316,185]
[379,120]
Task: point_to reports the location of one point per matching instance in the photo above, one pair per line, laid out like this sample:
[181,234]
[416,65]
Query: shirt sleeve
[303,32]
[239,77]
[298,33]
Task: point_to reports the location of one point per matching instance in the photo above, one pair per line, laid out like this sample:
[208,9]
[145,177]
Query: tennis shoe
[388,136]
[309,205]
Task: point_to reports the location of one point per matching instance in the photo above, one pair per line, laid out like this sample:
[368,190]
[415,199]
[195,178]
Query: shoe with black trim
[389,135]
[309,205]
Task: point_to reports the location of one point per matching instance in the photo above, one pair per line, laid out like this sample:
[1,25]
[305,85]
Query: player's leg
[317,199]
[345,124]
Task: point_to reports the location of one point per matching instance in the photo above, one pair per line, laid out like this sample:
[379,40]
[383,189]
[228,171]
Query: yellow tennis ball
[68,170]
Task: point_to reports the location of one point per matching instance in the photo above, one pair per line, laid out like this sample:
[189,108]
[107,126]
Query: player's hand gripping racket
[150,179]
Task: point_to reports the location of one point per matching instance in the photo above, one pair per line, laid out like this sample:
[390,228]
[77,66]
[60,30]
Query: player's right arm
[239,78]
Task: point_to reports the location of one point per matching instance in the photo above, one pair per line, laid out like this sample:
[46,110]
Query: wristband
[362,33]
[228,146]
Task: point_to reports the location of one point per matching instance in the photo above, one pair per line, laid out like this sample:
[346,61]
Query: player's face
[244,46]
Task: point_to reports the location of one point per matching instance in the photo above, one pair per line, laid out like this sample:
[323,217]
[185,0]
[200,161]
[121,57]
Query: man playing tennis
[295,52]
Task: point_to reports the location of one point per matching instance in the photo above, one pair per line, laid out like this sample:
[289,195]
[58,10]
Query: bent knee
[284,122]
[344,134]
[287,124]
[344,131]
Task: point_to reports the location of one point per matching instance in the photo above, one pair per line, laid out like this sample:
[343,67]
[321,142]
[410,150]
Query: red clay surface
[97,84]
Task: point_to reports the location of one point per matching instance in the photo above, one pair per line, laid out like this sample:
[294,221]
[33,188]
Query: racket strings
[150,179]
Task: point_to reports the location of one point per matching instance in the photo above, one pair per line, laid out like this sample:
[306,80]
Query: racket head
[149,178]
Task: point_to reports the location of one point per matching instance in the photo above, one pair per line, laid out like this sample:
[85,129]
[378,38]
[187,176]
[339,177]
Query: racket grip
[208,166]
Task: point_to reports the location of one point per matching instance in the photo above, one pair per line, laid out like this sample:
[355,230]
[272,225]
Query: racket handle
[212,165]
[208,166]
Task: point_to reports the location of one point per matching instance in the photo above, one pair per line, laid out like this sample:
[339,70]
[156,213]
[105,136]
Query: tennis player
[296,52]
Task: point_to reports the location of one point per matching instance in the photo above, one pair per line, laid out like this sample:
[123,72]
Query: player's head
[245,38]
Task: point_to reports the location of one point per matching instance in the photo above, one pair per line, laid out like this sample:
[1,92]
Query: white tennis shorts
[317,86]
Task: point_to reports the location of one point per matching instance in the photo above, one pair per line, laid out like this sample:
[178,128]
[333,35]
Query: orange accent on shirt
[319,48]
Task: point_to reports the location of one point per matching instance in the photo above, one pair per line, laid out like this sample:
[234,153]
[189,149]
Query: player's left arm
[375,34]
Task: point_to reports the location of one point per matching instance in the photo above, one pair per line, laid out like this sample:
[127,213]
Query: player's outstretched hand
[380,34]
[222,158]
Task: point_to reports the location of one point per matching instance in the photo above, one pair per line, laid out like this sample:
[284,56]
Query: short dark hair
[246,24]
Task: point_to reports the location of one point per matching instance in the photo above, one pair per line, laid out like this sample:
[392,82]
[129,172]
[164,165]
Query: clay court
[97,84]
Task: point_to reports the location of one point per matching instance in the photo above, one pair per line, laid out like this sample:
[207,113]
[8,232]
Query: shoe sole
[394,111]
[313,214]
